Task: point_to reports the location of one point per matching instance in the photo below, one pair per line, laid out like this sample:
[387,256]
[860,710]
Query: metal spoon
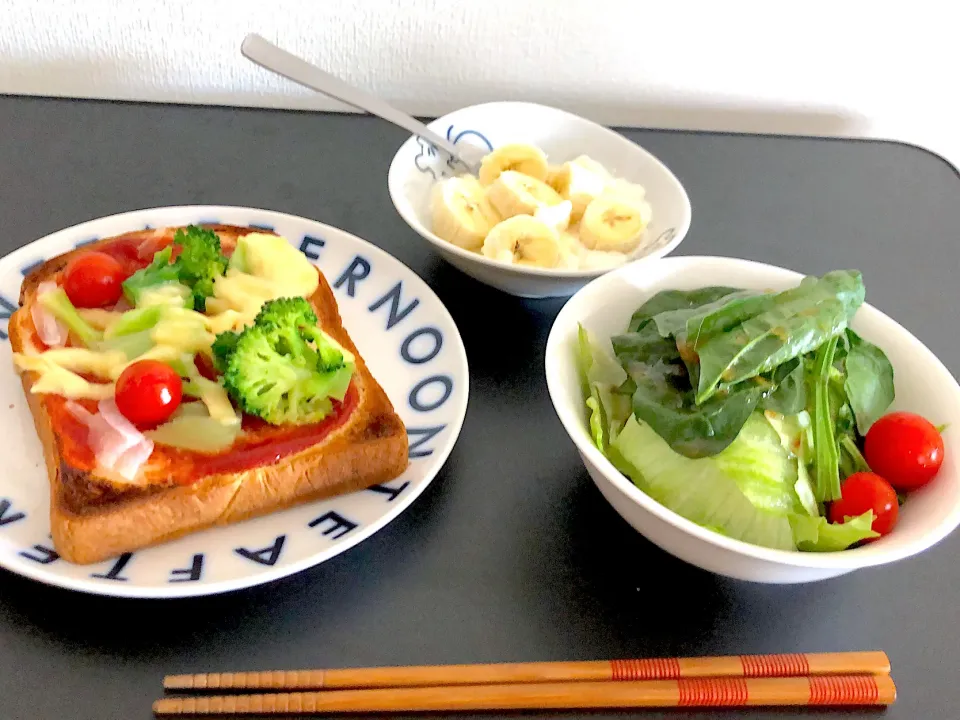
[275,59]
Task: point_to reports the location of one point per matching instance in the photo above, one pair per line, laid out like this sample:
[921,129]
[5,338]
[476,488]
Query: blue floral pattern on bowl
[439,164]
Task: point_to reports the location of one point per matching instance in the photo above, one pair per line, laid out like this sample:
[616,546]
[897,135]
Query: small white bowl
[417,166]
[923,385]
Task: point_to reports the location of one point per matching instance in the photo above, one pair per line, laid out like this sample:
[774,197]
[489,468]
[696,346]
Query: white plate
[402,330]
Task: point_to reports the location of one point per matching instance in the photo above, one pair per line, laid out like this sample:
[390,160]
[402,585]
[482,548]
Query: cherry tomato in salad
[148,392]
[904,448]
[93,280]
[864,491]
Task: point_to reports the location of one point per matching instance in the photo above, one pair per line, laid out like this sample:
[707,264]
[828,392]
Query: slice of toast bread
[92,519]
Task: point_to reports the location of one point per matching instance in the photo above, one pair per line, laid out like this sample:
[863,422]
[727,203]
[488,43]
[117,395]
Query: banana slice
[523,240]
[571,250]
[601,259]
[580,185]
[462,214]
[514,193]
[613,222]
[556,178]
[527,159]
[597,168]
[628,190]
[556,216]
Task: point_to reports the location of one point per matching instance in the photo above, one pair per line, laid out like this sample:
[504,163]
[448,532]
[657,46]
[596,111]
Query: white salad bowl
[418,166]
[923,385]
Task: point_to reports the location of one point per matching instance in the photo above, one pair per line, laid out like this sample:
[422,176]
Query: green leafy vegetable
[799,320]
[868,384]
[796,437]
[668,300]
[663,396]
[789,394]
[704,492]
[817,535]
[601,377]
[826,459]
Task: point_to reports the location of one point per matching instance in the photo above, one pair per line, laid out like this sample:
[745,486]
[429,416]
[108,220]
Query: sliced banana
[462,214]
[556,178]
[613,222]
[527,159]
[571,250]
[556,216]
[600,259]
[514,193]
[580,185]
[523,240]
[629,190]
[597,168]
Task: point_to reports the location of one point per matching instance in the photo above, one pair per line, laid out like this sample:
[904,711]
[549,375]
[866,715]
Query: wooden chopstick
[743,666]
[819,690]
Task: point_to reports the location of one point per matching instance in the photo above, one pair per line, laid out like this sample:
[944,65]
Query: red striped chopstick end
[792,665]
[647,669]
[712,692]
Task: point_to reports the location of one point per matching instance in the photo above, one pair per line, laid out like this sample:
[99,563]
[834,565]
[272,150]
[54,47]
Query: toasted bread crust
[92,521]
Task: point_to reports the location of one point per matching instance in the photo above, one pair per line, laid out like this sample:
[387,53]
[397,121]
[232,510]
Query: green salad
[744,411]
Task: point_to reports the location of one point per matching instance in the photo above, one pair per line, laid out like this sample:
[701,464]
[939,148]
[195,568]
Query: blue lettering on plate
[265,228]
[339,525]
[423,357]
[415,450]
[114,572]
[393,297]
[309,242]
[265,556]
[42,554]
[5,519]
[356,271]
[417,404]
[190,574]
[27,269]
[7,309]
[88,241]
[393,492]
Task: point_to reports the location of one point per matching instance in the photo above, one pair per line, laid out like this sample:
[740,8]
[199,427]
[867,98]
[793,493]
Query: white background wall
[837,67]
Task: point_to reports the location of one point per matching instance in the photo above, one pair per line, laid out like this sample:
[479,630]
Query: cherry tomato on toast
[904,448]
[864,491]
[148,392]
[93,279]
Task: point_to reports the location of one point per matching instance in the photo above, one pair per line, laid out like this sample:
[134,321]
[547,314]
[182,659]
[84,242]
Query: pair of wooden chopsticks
[839,679]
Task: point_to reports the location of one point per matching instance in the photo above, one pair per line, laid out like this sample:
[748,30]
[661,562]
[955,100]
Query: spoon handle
[271,57]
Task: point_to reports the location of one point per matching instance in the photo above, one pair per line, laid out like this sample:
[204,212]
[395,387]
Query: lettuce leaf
[601,377]
[717,492]
[817,535]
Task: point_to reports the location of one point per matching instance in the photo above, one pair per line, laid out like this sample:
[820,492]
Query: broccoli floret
[283,368]
[223,346]
[296,322]
[199,262]
[158,272]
